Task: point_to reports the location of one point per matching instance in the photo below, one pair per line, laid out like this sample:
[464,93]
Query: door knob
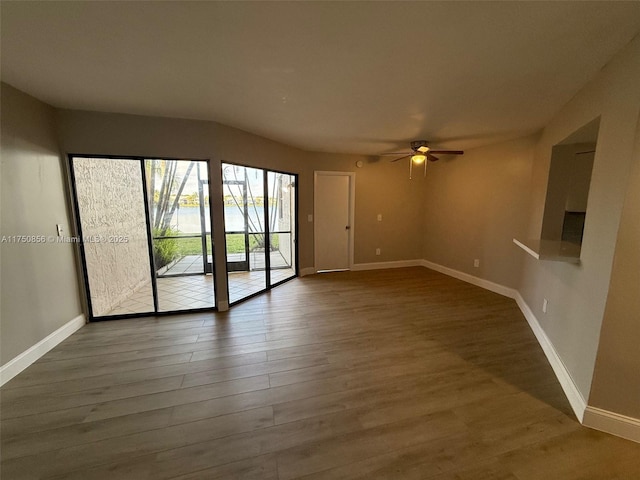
[347,227]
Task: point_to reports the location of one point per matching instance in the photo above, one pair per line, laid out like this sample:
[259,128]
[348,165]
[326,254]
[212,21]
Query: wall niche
[565,208]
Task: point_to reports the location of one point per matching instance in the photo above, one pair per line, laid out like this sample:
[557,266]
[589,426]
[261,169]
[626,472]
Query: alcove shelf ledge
[550,250]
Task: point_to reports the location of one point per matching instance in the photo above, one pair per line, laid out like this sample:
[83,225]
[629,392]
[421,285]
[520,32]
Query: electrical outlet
[545,304]
[309,218]
[476,262]
[379,217]
[377,251]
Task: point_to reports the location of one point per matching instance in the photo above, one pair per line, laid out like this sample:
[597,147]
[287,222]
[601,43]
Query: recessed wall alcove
[565,209]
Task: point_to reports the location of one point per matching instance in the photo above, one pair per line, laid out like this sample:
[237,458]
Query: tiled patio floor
[174,293]
[185,293]
[187,264]
[243,284]
[196,291]
[193,263]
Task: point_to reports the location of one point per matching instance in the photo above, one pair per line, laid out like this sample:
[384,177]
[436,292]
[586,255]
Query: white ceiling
[351,77]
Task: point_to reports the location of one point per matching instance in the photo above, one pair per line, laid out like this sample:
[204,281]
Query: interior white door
[333,230]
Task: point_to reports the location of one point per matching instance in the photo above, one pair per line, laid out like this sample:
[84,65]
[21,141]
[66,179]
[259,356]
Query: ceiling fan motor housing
[415,145]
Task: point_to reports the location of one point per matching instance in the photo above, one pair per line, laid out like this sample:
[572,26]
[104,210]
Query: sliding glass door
[145,235]
[259,213]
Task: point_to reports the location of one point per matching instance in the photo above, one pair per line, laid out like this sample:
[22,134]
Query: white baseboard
[307,271]
[465,277]
[614,423]
[576,400]
[18,364]
[356,267]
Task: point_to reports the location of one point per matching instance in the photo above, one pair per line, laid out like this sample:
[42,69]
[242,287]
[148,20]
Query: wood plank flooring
[394,374]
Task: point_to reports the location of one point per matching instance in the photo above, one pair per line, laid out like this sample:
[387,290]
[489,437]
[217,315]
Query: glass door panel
[244,205]
[179,215]
[113,228]
[281,187]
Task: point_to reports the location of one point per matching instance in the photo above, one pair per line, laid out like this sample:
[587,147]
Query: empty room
[320,240]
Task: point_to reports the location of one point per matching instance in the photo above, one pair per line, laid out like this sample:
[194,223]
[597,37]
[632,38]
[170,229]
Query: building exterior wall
[111,208]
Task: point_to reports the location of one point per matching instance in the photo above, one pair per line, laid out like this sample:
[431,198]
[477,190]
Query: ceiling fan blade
[406,156]
[448,152]
[431,157]
[392,153]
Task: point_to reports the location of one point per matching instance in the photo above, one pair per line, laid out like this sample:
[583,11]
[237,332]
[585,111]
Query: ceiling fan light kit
[418,157]
[411,166]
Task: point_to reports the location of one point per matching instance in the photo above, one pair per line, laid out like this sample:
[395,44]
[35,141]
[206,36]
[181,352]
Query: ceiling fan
[420,152]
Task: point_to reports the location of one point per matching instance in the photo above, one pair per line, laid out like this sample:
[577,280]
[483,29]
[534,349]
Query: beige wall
[114,134]
[381,186]
[475,205]
[577,293]
[39,287]
[616,379]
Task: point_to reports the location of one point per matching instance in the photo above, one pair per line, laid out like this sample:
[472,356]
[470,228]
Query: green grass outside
[235,244]
[180,247]
[191,246]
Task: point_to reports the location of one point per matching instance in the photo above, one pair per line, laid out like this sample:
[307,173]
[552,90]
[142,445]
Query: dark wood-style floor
[397,374]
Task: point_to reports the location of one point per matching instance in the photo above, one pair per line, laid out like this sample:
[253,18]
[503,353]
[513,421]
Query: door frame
[352,210]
